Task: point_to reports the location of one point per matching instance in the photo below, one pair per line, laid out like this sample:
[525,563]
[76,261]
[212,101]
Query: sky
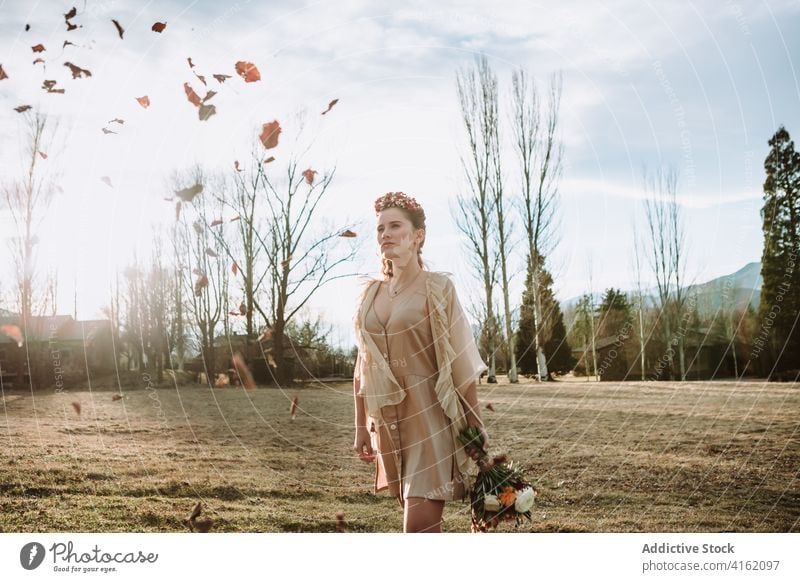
[699,86]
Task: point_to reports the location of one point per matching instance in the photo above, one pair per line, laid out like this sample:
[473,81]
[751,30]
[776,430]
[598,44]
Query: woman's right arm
[363,443]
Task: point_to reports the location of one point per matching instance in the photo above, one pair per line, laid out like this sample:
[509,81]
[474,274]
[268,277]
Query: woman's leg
[423,515]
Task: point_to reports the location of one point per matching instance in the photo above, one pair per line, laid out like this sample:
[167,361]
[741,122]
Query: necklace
[396,292]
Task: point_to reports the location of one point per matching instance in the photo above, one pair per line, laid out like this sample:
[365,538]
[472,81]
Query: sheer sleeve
[467,364]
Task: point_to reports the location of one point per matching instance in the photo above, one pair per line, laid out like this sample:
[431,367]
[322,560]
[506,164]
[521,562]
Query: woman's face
[396,237]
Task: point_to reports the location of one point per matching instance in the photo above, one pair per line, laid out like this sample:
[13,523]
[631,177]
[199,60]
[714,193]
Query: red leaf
[116,397]
[158,27]
[348,234]
[489,406]
[309,176]
[193,97]
[285,263]
[120,30]
[3,73]
[269,159]
[293,407]
[13,332]
[144,101]
[234,268]
[220,77]
[330,106]
[38,48]
[248,71]
[269,134]
[217,222]
[77,407]
[188,194]
[235,218]
[22,108]
[243,371]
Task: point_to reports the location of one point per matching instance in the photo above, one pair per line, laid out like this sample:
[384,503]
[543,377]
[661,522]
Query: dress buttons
[393,426]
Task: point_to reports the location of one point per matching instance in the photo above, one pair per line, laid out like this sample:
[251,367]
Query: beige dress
[415,432]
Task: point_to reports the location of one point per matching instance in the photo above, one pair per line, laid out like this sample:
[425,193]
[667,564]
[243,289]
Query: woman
[416,373]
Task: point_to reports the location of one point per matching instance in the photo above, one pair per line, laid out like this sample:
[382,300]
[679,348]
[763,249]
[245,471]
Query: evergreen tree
[553,332]
[777,340]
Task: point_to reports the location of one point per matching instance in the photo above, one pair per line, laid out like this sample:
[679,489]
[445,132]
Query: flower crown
[396,200]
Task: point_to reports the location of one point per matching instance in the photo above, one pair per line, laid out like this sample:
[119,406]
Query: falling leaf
[144,101]
[237,217]
[236,313]
[293,407]
[71,13]
[269,134]
[117,120]
[285,263]
[38,48]
[309,175]
[202,79]
[49,84]
[13,332]
[188,194]
[116,397]
[107,180]
[243,371]
[67,43]
[77,407]
[77,72]
[198,228]
[38,60]
[489,406]
[206,111]
[242,308]
[193,97]
[3,73]
[211,252]
[44,155]
[234,268]
[107,131]
[209,95]
[120,30]
[248,71]
[217,222]
[330,106]
[236,166]
[220,77]
[158,27]
[269,159]
[200,284]
[191,64]
[348,234]
[22,108]
[341,524]
[27,27]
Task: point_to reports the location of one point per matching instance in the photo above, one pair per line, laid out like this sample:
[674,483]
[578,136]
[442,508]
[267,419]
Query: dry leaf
[107,180]
[116,397]
[188,194]
[3,73]
[309,176]
[44,155]
[65,45]
[191,64]
[341,524]
[211,252]
[237,217]
[234,268]
[330,106]
[193,97]
[285,263]
[243,371]
[293,407]
[14,332]
[209,95]
[120,30]
[248,71]
[220,77]
[236,166]
[158,27]
[38,60]
[117,120]
[50,84]
[77,72]
[269,134]
[202,79]
[217,222]
[144,101]
[77,407]
[68,16]
[27,27]
[107,131]
[200,284]
[348,234]
[22,108]
[198,228]
[269,159]
[489,406]
[206,111]
[242,308]
[38,48]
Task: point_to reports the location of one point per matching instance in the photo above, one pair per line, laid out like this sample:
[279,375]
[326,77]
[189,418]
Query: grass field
[632,457]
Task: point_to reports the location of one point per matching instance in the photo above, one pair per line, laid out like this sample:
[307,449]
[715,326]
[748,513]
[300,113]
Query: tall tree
[779,306]
[475,211]
[535,127]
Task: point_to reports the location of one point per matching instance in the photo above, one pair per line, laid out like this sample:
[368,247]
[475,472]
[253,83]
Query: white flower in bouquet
[524,500]
[491,503]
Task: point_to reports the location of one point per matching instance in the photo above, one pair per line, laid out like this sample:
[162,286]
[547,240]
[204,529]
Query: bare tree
[639,301]
[476,213]
[540,159]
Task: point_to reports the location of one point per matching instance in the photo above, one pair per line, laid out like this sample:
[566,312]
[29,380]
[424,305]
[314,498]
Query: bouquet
[500,492]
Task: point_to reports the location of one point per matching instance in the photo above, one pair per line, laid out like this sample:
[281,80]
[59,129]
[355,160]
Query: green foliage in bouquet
[500,491]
